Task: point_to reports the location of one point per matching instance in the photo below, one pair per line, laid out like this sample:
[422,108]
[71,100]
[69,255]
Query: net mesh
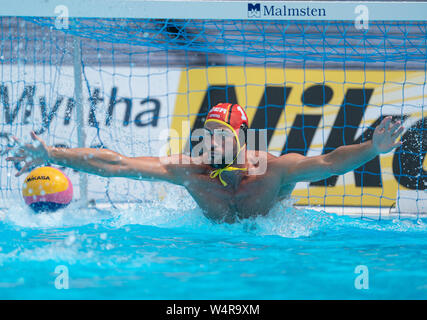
[312,85]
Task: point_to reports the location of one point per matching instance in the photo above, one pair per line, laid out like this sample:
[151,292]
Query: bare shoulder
[260,161]
[257,154]
[287,160]
[291,157]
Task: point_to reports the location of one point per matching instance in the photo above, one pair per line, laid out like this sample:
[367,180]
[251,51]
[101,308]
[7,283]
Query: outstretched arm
[295,167]
[101,162]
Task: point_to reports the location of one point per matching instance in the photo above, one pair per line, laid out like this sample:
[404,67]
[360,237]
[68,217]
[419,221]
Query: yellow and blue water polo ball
[47,189]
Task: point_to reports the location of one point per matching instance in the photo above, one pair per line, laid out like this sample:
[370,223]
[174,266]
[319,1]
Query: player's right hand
[33,154]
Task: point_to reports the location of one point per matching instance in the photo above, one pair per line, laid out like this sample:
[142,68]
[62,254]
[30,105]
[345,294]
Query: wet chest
[253,196]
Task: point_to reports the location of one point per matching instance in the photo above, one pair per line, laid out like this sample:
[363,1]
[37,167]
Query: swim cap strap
[218,172]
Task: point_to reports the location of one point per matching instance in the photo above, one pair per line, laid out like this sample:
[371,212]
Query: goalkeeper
[226,180]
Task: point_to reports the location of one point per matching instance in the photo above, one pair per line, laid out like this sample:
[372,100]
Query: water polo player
[225,179]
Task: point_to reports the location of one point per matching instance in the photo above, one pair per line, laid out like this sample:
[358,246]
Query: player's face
[223,145]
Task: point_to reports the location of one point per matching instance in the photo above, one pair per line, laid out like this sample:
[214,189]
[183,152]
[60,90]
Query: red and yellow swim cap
[228,113]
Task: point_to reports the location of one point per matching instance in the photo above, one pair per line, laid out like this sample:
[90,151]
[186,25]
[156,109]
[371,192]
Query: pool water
[156,252]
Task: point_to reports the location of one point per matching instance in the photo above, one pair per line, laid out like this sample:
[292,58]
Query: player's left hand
[385,135]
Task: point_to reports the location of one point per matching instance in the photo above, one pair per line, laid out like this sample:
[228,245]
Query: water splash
[283,220]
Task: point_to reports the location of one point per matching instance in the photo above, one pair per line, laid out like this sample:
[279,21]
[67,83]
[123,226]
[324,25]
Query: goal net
[139,77]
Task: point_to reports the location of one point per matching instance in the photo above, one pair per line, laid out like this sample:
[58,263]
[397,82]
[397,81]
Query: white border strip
[239,10]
